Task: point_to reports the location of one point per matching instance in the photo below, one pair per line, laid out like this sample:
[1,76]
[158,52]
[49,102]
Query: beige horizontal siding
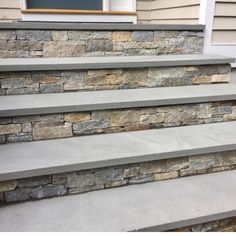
[224,28]
[190,12]
[157,4]
[10,9]
[143,9]
[169,11]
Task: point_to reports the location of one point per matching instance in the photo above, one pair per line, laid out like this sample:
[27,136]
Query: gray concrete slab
[233,76]
[98,26]
[89,152]
[76,63]
[113,99]
[156,206]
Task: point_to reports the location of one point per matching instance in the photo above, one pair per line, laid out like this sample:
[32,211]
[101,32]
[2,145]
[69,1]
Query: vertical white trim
[203,12]
[23,4]
[106,5]
[134,6]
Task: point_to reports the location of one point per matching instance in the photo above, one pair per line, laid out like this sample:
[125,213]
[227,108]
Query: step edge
[82,26]
[114,162]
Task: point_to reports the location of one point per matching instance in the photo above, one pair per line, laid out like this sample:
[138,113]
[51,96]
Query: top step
[87,26]
[84,63]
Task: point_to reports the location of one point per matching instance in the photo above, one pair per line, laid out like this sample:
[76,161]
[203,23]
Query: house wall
[10,10]
[224,28]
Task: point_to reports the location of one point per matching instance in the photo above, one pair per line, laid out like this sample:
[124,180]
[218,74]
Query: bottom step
[157,206]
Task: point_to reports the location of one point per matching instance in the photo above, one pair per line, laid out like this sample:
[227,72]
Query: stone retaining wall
[12,83]
[43,127]
[225,225]
[76,43]
[103,178]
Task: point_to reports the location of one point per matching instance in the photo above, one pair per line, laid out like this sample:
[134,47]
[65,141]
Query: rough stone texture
[74,43]
[102,178]
[87,80]
[109,121]
[2,200]
[7,185]
[225,225]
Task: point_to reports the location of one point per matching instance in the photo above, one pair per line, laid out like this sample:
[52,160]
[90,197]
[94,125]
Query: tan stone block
[202,80]
[10,129]
[177,164]
[8,185]
[121,36]
[52,132]
[77,117]
[59,35]
[152,167]
[165,176]
[229,117]
[26,127]
[223,78]
[131,171]
[123,118]
[115,184]
[153,118]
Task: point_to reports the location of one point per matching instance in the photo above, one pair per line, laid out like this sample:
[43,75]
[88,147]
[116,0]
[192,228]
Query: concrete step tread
[155,206]
[76,63]
[98,26]
[89,152]
[113,99]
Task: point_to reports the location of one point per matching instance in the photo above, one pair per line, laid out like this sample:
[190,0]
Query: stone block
[2,139]
[76,181]
[124,118]
[8,185]
[10,129]
[8,34]
[165,176]
[37,35]
[103,176]
[26,127]
[73,80]
[152,167]
[102,35]
[13,83]
[223,78]
[2,200]
[62,49]
[99,45]
[121,36]
[141,179]
[177,164]
[85,189]
[20,137]
[60,35]
[34,181]
[32,45]
[49,191]
[51,88]
[77,117]
[153,118]
[131,171]
[90,126]
[143,36]
[116,184]
[201,161]
[79,35]
[53,132]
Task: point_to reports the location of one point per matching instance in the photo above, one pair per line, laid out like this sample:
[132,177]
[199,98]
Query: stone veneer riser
[115,176]
[17,83]
[77,43]
[224,225]
[46,127]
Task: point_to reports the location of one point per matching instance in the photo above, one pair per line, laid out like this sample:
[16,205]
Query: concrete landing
[77,63]
[113,99]
[156,206]
[89,152]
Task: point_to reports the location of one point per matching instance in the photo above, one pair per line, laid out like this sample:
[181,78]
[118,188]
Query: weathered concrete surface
[149,207]
[73,154]
[76,63]
[114,99]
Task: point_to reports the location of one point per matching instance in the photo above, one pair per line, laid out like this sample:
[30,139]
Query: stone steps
[49,116]
[57,75]
[21,39]
[150,207]
[76,165]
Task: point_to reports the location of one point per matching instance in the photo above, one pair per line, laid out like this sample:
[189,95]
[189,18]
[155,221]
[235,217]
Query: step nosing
[97,151]
[83,63]
[16,105]
[154,206]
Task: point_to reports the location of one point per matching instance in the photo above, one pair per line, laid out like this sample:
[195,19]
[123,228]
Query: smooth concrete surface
[155,206]
[113,99]
[88,152]
[94,26]
[77,63]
